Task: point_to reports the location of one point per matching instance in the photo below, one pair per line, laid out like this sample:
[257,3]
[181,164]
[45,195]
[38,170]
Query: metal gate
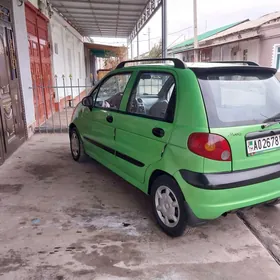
[12,127]
[66,93]
[40,62]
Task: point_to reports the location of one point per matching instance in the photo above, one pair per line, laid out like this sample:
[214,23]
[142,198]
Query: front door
[98,125]
[11,114]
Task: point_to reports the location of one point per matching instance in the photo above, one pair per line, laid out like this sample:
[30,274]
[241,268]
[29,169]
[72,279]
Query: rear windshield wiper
[270,123]
[272,119]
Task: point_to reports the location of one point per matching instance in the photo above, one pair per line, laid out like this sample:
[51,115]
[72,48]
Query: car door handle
[109,119]
[158,132]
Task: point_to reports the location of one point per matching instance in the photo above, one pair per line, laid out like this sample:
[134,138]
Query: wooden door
[40,63]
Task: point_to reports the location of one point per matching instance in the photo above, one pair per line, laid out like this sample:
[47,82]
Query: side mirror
[88,101]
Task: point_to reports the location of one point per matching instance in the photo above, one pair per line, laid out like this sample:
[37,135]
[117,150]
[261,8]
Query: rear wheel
[273,202]
[76,145]
[168,205]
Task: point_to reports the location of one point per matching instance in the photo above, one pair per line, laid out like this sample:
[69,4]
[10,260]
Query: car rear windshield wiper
[270,123]
[272,119]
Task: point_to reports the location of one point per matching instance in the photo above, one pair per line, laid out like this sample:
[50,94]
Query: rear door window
[240,98]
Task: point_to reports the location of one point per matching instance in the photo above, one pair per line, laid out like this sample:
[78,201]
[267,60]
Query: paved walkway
[64,220]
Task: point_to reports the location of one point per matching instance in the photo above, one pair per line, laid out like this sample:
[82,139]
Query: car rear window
[237,99]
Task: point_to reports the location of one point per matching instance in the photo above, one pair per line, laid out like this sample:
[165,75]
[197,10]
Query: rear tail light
[210,146]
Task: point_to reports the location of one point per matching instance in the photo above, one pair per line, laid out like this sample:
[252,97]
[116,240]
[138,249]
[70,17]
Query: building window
[277,58]
[5,14]
[56,48]
[245,54]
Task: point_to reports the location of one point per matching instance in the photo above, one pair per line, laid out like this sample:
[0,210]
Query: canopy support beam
[164,28]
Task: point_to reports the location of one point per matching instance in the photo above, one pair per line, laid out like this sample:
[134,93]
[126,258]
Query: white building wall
[178,55]
[235,51]
[24,63]
[216,54]
[68,55]
[41,5]
[35,3]
[269,44]
[270,40]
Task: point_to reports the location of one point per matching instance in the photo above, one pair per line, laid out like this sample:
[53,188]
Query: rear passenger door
[143,130]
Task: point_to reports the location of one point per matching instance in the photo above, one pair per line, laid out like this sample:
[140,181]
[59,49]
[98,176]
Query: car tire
[168,204]
[76,146]
[273,203]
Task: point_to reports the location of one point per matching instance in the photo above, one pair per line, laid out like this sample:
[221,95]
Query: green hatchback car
[202,139]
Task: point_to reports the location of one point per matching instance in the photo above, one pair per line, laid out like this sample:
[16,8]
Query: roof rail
[177,62]
[249,63]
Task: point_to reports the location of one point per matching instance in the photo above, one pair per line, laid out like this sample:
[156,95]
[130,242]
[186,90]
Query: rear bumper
[228,180]
[212,196]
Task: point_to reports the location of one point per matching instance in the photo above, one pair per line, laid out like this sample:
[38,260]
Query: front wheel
[76,146]
[168,205]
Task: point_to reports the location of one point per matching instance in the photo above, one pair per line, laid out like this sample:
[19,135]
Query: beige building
[256,40]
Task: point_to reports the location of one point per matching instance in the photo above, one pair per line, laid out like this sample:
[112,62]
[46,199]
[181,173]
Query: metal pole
[37,106]
[127,52]
[65,101]
[44,104]
[195,41]
[137,46]
[79,90]
[131,50]
[72,95]
[164,28]
[58,97]
[51,93]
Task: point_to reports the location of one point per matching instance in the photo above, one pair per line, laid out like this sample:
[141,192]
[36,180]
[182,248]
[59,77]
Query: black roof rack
[249,63]
[177,62]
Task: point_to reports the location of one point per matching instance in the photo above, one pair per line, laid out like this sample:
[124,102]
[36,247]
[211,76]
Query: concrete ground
[64,220]
[58,122]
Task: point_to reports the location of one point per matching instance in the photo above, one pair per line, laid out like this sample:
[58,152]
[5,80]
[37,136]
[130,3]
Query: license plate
[259,145]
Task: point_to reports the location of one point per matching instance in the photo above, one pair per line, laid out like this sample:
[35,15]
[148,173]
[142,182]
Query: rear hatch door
[243,106]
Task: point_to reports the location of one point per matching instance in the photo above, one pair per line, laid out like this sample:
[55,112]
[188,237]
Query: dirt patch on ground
[105,259]
[47,272]
[11,261]
[43,171]
[10,188]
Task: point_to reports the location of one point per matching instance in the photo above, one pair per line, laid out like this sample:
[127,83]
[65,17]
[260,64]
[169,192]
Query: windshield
[240,99]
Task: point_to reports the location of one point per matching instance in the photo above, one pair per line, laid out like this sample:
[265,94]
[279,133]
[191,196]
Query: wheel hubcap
[75,144]
[167,206]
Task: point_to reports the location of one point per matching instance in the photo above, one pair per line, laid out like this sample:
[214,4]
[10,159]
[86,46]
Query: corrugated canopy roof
[189,42]
[107,18]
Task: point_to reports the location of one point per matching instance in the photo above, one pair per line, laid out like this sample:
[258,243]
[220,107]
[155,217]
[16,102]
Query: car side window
[152,94]
[111,91]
